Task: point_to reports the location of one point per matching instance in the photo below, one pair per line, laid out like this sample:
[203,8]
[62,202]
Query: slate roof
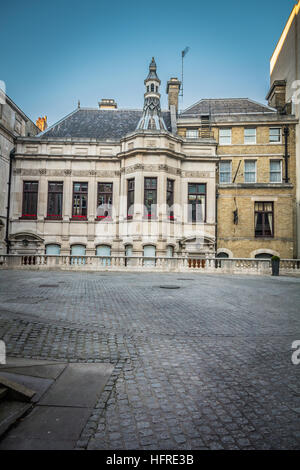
[225,106]
[100,124]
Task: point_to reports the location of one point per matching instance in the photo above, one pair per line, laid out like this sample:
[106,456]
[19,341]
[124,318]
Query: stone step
[10,412]
[16,391]
[3,393]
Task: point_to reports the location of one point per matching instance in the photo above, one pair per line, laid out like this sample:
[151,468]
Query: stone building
[256,190]
[13,123]
[209,181]
[110,181]
[284,92]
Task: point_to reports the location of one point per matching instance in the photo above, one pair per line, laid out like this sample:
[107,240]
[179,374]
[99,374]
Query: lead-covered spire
[152,119]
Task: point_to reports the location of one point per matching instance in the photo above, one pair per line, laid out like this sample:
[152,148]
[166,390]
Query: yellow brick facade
[238,240]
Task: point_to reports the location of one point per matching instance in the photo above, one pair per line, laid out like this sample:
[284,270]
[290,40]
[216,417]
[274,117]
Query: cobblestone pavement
[205,366]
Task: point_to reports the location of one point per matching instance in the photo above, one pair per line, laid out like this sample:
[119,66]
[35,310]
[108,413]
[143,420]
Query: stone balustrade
[139,263]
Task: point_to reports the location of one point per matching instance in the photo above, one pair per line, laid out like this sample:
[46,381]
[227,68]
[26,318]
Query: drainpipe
[286,153]
[216,208]
[11,157]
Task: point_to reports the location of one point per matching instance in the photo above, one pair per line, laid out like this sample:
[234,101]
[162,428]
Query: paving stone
[207,366]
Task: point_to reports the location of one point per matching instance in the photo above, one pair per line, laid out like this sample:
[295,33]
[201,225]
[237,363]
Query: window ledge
[254,185]
[267,237]
[79,219]
[53,218]
[103,219]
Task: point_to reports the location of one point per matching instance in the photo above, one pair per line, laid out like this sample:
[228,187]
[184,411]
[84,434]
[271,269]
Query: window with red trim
[30,198]
[80,198]
[104,200]
[55,198]
[150,197]
[170,198]
[130,198]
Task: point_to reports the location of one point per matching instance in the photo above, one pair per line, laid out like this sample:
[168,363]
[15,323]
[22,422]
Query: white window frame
[248,161]
[280,136]
[229,129]
[191,131]
[280,161]
[225,182]
[250,136]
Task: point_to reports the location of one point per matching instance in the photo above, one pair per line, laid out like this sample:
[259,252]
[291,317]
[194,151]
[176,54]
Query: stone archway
[193,246]
[26,243]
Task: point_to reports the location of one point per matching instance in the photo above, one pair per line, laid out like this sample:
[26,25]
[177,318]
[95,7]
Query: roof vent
[106,103]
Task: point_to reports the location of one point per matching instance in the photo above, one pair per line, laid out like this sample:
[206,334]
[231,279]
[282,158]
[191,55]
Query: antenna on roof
[78,104]
[183,54]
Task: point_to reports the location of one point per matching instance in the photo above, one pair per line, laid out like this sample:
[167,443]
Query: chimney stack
[173,87]
[277,97]
[107,103]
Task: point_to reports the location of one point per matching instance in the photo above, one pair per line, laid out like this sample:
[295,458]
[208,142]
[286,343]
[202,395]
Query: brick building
[150,182]
[13,123]
[285,85]
[256,191]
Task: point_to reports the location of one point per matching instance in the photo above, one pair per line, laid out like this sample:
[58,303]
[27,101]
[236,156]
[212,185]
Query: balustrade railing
[140,263]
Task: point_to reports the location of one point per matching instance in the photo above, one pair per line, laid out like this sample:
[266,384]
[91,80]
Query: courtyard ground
[203,365]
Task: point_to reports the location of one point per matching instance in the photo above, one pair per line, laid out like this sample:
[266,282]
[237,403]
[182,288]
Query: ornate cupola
[152,119]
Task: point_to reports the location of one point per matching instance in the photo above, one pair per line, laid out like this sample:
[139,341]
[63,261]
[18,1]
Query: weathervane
[183,54]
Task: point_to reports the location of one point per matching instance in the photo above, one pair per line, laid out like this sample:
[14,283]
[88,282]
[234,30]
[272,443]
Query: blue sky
[54,53]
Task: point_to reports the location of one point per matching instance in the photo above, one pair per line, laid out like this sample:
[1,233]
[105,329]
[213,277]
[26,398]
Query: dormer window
[152,87]
[148,88]
[192,134]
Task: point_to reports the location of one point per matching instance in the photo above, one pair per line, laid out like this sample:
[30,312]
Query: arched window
[148,88]
[53,249]
[170,251]
[222,255]
[105,252]
[152,87]
[150,253]
[263,256]
[128,250]
[77,254]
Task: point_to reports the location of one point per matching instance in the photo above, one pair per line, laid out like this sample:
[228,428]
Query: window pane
[225,172]
[225,132]
[275,171]
[196,202]
[275,134]
[225,136]
[80,200]
[53,250]
[150,197]
[130,198]
[250,132]
[263,219]
[192,133]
